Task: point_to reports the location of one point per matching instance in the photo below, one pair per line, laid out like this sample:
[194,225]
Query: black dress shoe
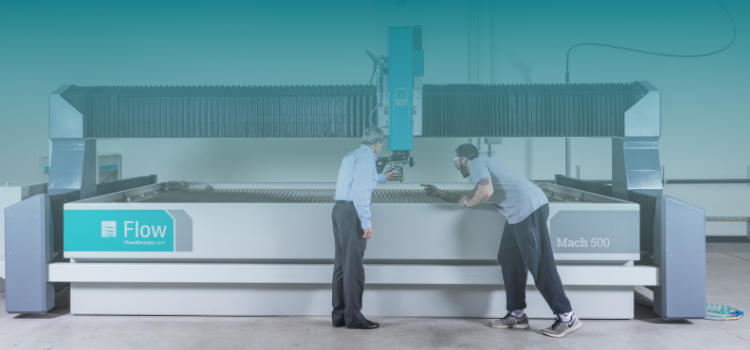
[367,325]
[339,324]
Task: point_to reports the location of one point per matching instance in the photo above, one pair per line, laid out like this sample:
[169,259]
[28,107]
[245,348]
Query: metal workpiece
[680,253]
[29,247]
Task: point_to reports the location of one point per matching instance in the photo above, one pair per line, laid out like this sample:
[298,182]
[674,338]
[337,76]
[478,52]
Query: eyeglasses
[455,161]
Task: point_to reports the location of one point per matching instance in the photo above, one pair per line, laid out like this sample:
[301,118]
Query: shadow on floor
[644,310]
[62,307]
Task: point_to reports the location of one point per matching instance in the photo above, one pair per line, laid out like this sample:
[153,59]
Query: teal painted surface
[118,231]
[418,63]
[400,83]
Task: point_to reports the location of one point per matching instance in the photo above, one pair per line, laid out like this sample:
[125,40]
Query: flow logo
[401,97]
[109,229]
[128,230]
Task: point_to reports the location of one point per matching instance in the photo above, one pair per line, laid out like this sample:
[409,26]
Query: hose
[369,119]
[716,312]
[734,35]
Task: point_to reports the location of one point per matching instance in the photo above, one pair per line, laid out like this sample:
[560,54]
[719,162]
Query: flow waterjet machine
[188,248]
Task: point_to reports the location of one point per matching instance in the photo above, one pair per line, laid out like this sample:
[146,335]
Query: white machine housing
[275,258]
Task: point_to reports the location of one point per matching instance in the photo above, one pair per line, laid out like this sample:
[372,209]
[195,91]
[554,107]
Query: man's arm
[482,193]
[431,190]
[455,197]
[361,186]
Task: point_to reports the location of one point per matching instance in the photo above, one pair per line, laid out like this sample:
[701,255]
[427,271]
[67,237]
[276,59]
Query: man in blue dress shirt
[352,228]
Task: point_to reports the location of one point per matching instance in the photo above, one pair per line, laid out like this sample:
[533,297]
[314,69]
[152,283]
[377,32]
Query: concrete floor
[728,283]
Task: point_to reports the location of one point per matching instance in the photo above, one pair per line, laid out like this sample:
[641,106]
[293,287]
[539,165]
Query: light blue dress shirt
[358,176]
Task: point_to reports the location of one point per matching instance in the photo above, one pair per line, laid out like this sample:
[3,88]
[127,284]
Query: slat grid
[538,110]
[455,110]
[282,196]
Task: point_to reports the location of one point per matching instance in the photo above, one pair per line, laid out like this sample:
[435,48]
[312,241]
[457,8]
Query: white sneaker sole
[519,326]
[567,331]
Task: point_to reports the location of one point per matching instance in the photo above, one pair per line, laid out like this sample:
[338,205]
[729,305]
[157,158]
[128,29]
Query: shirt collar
[369,151]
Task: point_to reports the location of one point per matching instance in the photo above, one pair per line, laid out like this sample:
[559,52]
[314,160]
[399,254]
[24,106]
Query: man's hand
[392,176]
[463,200]
[430,190]
[368,233]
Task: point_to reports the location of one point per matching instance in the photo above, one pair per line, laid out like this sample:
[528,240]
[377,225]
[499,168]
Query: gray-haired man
[352,228]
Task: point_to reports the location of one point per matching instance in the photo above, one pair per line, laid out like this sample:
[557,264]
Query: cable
[716,312]
[375,64]
[734,35]
[369,119]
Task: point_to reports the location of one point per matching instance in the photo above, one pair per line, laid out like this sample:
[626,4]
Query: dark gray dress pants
[526,246]
[348,272]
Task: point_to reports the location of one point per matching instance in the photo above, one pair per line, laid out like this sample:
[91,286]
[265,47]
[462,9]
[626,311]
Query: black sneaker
[511,321]
[560,329]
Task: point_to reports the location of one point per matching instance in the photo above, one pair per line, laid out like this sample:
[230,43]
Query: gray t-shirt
[515,196]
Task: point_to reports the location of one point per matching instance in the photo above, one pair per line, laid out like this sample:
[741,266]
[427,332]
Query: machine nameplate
[127,230]
[401,96]
[595,231]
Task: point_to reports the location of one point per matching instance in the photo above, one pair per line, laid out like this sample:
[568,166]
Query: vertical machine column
[635,157]
[400,53]
[73,159]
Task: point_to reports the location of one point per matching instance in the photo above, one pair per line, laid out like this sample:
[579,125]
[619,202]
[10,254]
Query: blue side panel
[29,246]
[400,51]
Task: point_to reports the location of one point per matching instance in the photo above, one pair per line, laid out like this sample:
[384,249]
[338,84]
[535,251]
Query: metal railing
[124,185]
[732,218]
[583,185]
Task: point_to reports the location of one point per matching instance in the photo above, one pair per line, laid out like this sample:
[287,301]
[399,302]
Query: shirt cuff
[366,225]
[381,178]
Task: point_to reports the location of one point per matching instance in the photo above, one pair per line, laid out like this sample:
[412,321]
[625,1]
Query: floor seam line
[734,256]
[442,337]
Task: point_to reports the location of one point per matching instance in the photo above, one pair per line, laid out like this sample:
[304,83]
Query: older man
[352,228]
[525,243]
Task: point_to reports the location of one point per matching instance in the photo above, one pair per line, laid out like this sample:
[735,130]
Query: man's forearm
[475,199]
[454,197]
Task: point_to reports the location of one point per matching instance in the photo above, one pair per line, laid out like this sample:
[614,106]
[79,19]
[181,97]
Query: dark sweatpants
[525,246]
[348,272]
